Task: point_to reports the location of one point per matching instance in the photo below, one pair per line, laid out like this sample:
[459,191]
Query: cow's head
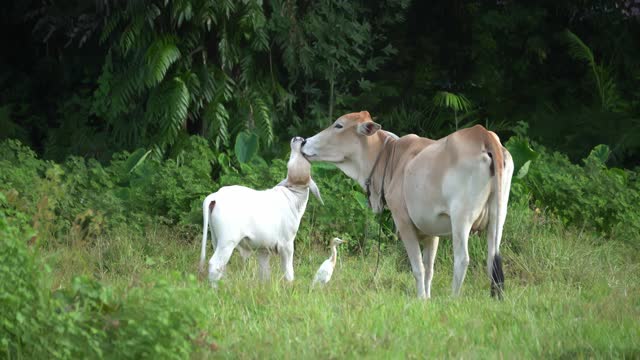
[343,141]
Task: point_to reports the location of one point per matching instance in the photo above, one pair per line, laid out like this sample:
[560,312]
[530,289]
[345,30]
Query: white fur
[249,219]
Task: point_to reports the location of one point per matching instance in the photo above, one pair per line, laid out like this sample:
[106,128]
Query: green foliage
[246,146]
[87,319]
[329,48]
[455,102]
[160,64]
[522,155]
[83,197]
[448,100]
[604,83]
[591,195]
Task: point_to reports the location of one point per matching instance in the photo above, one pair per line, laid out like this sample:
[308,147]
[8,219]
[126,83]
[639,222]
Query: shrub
[85,320]
[591,195]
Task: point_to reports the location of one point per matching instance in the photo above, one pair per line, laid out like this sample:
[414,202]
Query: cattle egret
[326,269]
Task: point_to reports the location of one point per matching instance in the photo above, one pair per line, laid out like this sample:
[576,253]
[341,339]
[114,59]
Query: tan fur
[432,187]
[298,168]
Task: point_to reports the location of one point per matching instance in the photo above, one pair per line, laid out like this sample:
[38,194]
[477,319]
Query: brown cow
[433,187]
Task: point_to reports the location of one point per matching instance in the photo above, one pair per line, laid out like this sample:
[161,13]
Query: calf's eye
[338,126]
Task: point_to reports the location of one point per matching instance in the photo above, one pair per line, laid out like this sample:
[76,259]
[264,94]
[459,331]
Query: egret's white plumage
[326,269]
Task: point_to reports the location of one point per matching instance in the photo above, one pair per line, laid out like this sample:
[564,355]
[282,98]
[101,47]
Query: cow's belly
[430,223]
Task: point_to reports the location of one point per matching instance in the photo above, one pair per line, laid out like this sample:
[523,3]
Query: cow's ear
[368,128]
[284,183]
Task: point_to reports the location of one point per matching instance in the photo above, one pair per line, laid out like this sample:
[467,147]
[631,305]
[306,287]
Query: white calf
[266,221]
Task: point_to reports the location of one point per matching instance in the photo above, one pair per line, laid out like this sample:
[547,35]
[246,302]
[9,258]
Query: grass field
[569,293]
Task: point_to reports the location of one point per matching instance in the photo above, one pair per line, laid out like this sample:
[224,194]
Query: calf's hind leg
[264,271]
[218,262]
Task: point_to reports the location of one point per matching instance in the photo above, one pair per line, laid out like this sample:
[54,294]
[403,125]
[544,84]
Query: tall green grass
[569,294]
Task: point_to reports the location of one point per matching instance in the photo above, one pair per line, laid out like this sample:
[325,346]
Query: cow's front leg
[286,257]
[410,238]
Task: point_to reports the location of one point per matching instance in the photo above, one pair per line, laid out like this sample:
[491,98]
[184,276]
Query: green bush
[85,320]
[590,195]
[83,195]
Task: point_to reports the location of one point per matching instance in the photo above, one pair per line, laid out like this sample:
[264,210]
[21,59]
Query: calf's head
[299,170]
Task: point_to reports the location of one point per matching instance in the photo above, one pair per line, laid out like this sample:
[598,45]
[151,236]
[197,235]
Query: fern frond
[264,123]
[217,116]
[207,15]
[578,49]
[226,7]
[181,11]
[229,86]
[162,53]
[456,102]
[110,25]
[128,85]
[260,41]
[168,105]
[247,67]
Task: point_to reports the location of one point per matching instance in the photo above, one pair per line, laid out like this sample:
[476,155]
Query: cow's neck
[359,167]
[362,168]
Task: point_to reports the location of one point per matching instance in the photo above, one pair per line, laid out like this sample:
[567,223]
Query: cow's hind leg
[430,244]
[460,234]
[410,239]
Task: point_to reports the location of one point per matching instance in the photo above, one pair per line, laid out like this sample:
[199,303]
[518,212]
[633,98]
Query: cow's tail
[494,261]
[207,208]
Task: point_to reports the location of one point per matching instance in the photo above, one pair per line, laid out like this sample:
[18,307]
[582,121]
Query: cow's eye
[338,126]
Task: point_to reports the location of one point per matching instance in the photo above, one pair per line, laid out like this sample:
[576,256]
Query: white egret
[326,269]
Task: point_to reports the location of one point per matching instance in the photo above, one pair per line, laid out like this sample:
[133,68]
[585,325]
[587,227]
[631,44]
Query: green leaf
[521,152]
[578,49]
[246,146]
[600,153]
[456,102]
[159,57]
[523,170]
[136,159]
[360,198]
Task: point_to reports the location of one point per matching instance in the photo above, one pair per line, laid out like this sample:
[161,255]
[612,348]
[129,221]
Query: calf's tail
[207,208]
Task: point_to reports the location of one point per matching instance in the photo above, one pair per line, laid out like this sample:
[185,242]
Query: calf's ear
[315,191]
[368,128]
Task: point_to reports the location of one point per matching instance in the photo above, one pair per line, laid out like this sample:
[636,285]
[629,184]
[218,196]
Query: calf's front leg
[286,258]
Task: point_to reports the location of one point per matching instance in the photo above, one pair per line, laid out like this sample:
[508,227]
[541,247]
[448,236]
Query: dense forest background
[92,78]
[118,117]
